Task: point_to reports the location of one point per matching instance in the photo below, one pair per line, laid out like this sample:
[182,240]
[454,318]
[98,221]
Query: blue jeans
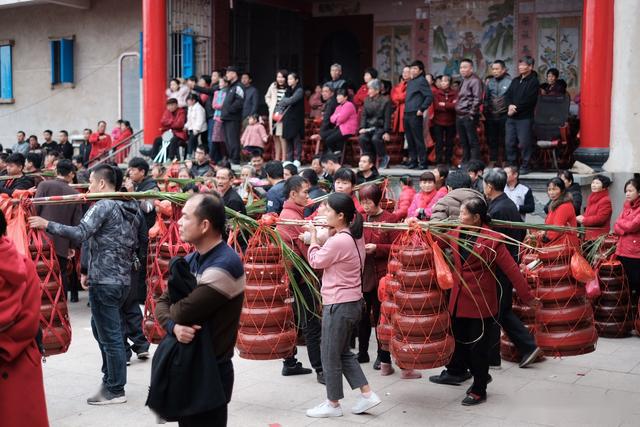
[108,326]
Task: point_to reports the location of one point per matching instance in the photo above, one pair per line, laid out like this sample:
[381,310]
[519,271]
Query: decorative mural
[481,30]
[392,46]
[559,47]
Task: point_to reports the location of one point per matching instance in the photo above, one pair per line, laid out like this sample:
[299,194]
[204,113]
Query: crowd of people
[214,121]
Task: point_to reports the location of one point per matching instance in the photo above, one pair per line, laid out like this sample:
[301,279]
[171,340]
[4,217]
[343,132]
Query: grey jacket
[448,208]
[110,228]
[376,114]
[495,104]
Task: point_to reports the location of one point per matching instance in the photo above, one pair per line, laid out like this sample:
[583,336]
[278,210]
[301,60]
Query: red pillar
[154,63]
[595,80]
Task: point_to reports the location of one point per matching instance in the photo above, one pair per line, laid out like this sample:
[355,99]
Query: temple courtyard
[599,389]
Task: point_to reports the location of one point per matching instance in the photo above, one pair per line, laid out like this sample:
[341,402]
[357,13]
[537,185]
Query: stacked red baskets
[612,310]
[565,322]
[164,244]
[267,330]
[422,331]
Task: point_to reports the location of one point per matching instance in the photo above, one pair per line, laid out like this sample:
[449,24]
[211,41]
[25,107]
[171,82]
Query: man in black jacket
[15,165]
[419,97]
[209,88]
[250,106]
[502,208]
[64,146]
[329,132]
[521,97]
[231,199]
[232,115]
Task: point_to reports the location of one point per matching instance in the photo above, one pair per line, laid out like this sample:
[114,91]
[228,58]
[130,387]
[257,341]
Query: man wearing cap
[521,97]
[232,114]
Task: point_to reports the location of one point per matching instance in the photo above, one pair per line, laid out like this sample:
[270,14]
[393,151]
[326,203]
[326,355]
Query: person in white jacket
[196,125]
[178,91]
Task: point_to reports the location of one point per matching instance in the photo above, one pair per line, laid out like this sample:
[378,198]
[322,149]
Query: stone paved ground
[599,389]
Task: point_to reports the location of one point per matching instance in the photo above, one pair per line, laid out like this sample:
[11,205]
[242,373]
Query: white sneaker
[365,403]
[325,410]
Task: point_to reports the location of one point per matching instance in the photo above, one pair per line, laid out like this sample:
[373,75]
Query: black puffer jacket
[233,103]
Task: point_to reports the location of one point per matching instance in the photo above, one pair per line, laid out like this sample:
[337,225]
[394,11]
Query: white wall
[103,33]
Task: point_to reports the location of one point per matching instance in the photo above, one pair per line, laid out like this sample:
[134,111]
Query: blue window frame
[6,71]
[61,61]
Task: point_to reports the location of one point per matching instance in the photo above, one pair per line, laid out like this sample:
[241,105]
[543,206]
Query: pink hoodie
[346,118]
[341,265]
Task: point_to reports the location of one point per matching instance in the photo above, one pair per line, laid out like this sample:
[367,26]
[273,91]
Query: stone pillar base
[594,157]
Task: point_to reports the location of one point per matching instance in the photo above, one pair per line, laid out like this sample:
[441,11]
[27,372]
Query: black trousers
[370,307]
[173,150]
[472,351]
[309,324]
[632,271]
[217,417]
[194,140]
[294,148]
[371,143]
[333,139]
[495,130]
[444,137]
[132,322]
[468,132]
[231,129]
[414,132]
[512,325]
[519,138]
[68,284]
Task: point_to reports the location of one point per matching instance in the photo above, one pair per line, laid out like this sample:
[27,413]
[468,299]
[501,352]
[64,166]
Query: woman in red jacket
[473,303]
[406,197]
[561,213]
[627,227]
[362,93]
[100,140]
[597,215]
[22,401]
[444,120]
[124,135]
[398,96]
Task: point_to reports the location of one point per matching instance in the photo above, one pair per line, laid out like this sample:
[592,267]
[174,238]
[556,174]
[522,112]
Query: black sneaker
[488,382]
[523,171]
[105,397]
[363,358]
[473,399]
[446,378]
[528,359]
[296,369]
[376,364]
[320,377]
